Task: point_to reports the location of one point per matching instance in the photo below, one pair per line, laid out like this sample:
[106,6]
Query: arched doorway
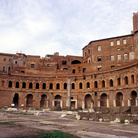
[29,100]
[16,100]
[119,99]
[103,100]
[43,103]
[133,98]
[88,101]
[57,102]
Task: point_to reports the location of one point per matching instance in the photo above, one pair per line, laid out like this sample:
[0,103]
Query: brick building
[105,76]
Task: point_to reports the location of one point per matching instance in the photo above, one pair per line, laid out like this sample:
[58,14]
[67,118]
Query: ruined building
[105,76]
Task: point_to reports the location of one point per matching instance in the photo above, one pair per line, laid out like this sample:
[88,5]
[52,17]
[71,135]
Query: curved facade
[105,76]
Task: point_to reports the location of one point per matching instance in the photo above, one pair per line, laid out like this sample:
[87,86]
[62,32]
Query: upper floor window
[84,70]
[73,71]
[124,41]
[99,48]
[111,43]
[118,42]
[89,51]
[32,65]
[125,56]
[112,58]
[4,59]
[99,68]
[131,55]
[65,85]
[118,57]
[64,62]
[99,59]
[89,60]
[9,59]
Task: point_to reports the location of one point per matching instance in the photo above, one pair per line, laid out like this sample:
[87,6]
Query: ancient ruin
[106,76]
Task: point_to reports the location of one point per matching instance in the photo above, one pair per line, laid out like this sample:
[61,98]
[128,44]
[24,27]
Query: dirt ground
[23,125]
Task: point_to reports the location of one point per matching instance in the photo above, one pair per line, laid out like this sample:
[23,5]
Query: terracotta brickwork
[105,76]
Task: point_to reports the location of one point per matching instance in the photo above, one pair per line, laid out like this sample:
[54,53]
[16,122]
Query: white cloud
[44,27]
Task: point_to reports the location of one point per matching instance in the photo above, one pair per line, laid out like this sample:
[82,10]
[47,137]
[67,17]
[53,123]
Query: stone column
[69,94]
[129,101]
[83,105]
[107,102]
[114,102]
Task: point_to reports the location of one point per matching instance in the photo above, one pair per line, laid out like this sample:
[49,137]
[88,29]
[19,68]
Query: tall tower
[135,22]
[135,31]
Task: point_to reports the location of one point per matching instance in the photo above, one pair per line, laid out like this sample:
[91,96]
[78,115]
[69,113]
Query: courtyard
[23,124]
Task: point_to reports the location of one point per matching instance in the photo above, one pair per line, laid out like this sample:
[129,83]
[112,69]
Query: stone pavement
[69,124]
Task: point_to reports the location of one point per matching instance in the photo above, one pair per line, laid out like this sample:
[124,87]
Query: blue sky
[40,27]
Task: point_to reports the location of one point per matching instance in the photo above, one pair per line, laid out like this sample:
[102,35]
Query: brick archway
[133,98]
[29,100]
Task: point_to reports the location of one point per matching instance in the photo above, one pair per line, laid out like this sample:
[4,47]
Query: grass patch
[10,124]
[54,134]
[7,123]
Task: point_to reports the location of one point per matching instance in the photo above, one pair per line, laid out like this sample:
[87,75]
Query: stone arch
[58,101]
[103,100]
[57,96]
[133,98]
[29,100]
[75,62]
[88,101]
[16,100]
[119,99]
[43,101]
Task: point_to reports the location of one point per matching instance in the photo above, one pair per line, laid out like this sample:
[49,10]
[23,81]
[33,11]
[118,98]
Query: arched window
[37,85]
[95,84]
[10,84]
[80,85]
[23,85]
[17,85]
[73,86]
[30,85]
[75,62]
[65,85]
[103,83]
[88,85]
[118,81]
[111,83]
[58,86]
[132,78]
[44,86]
[126,80]
[51,86]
